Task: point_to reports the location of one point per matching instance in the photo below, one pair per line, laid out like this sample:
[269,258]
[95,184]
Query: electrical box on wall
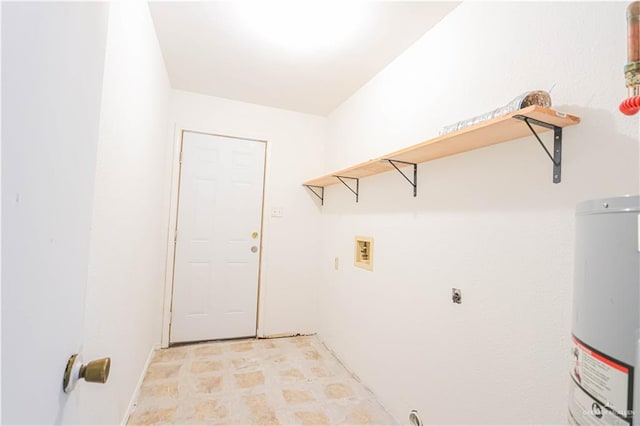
[363,257]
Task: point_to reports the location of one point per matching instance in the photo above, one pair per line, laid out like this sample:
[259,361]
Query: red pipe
[630,106]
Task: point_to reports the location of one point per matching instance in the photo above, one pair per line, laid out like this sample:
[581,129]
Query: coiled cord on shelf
[630,106]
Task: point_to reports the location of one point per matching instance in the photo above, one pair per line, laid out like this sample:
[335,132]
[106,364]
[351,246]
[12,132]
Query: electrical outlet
[277,212]
[456,295]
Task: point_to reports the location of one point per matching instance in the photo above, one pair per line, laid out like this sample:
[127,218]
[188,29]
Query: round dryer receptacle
[414,418]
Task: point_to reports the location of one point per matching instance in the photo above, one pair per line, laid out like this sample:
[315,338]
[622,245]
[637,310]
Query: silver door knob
[254,249]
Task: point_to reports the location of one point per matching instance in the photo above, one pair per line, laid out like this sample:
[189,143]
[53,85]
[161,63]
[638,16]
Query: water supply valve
[631,105]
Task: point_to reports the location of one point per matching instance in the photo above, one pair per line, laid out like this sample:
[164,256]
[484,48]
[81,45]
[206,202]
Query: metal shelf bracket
[320,195]
[341,178]
[413,183]
[556,158]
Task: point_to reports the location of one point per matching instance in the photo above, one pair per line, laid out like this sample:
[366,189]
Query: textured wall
[490,222]
[129,227]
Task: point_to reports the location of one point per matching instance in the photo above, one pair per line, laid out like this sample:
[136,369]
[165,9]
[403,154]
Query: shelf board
[490,132]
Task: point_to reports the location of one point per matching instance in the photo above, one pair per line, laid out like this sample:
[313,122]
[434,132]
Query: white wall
[291,244]
[129,226]
[490,222]
[52,69]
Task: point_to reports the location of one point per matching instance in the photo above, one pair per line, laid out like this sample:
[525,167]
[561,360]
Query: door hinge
[175,236]
[180,157]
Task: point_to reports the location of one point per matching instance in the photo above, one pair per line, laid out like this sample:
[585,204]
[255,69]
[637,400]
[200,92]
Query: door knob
[96,371]
[254,249]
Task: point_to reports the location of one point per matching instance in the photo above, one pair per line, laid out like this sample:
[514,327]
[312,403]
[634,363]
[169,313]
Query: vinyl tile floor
[294,381]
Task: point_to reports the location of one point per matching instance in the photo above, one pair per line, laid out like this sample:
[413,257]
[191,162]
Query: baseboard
[136,392]
[345,366]
[281,335]
[353,374]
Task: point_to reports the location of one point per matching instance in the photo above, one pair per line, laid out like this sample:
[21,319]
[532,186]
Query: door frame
[176,172]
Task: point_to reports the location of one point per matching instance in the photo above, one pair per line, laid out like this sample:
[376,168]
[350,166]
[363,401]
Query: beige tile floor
[292,380]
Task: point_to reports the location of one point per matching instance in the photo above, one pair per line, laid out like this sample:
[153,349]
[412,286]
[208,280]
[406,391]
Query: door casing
[173,223]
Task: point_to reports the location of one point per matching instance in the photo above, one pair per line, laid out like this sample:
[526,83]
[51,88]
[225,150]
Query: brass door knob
[96,371]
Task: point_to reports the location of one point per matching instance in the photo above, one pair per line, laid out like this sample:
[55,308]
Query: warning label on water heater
[601,392]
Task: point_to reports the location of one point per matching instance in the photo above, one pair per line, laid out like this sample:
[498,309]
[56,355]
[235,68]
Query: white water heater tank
[605,341]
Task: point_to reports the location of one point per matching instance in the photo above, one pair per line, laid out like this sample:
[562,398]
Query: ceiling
[304,56]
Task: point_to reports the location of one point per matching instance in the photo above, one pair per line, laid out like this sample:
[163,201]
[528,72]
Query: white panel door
[215,290]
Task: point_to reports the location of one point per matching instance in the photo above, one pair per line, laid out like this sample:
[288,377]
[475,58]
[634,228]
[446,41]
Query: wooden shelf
[491,132]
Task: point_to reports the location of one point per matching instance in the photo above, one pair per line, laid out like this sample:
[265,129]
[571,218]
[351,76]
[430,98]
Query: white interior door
[53,58]
[215,289]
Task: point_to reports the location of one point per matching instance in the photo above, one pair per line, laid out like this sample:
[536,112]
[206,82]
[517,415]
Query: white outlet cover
[277,212]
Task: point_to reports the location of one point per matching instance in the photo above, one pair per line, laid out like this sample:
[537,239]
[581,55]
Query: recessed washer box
[363,256]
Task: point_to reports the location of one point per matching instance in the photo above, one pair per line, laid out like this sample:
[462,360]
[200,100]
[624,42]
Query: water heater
[605,341]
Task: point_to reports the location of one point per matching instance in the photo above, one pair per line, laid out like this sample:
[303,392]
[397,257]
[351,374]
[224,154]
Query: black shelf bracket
[341,178]
[413,183]
[320,195]
[556,158]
